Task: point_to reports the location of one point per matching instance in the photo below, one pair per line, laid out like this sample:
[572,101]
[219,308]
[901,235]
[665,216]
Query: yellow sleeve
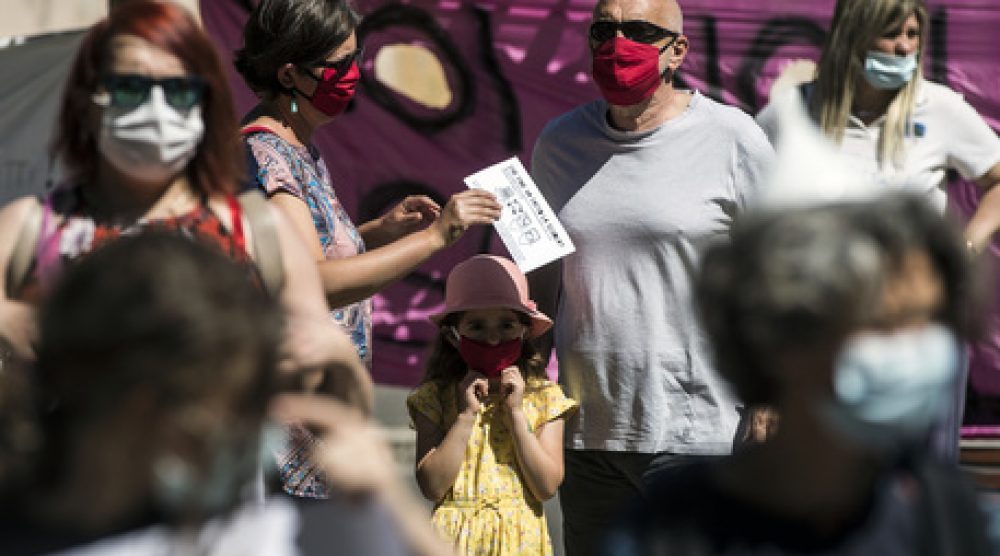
[425,400]
[547,402]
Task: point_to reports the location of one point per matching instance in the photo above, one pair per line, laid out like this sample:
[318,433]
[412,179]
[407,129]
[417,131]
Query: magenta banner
[512,65]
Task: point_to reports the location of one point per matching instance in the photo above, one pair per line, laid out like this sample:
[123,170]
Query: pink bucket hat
[486,281]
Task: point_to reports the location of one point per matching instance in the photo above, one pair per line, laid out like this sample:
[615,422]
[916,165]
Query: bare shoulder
[12,217]
[19,207]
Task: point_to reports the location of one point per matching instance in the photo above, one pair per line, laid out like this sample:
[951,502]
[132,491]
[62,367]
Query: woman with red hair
[148,139]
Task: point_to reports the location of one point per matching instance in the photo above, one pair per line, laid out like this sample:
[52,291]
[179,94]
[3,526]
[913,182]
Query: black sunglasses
[128,90]
[638,31]
[343,63]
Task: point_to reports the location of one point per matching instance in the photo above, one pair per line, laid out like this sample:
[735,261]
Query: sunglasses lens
[182,94]
[128,91]
[344,64]
[644,32]
[639,31]
[602,31]
[341,65]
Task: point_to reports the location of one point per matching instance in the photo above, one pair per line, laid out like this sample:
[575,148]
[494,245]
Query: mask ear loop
[293,90]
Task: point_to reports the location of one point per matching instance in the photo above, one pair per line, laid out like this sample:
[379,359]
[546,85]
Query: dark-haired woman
[301,58]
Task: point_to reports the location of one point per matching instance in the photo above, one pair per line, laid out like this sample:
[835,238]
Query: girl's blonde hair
[445,365]
[856,25]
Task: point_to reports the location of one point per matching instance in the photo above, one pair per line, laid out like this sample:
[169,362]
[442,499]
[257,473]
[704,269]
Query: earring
[295,106]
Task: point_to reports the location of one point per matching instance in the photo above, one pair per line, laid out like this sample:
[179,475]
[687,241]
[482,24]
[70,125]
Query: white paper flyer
[528,227]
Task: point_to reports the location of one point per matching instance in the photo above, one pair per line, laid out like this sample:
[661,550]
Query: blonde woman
[871,98]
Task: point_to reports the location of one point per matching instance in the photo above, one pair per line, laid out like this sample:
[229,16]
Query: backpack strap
[236,211]
[266,247]
[24,250]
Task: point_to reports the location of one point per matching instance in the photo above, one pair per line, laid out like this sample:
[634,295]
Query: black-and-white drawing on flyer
[527,226]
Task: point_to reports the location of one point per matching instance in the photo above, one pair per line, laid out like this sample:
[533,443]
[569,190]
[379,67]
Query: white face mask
[891,388]
[151,142]
[887,71]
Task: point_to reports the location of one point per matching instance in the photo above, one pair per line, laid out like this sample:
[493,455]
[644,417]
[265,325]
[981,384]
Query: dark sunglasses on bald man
[131,90]
[638,31]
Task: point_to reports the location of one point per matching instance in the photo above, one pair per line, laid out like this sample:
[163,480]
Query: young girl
[489,424]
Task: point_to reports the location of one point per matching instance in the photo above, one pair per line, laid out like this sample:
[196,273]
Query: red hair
[217,167]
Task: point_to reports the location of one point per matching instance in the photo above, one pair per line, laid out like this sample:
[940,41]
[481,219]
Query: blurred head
[781,300]
[302,49]
[146,95]
[159,352]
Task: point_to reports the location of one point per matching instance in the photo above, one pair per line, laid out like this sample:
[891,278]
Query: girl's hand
[409,215]
[472,390]
[512,389]
[465,209]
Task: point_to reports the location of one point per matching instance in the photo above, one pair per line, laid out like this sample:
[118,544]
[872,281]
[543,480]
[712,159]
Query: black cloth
[928,509]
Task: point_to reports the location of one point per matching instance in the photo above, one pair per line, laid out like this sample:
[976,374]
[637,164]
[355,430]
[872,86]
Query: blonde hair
[856,25]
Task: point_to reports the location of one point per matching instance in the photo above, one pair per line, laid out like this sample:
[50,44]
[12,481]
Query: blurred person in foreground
[848,318]
[139,430]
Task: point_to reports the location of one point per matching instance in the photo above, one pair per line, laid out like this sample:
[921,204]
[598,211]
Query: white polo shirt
[948,134]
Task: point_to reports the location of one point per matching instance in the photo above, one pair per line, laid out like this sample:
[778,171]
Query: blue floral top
[282,167]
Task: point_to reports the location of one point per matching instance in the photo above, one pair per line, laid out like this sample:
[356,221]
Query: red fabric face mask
[489,359]
[627,72]
[334,91]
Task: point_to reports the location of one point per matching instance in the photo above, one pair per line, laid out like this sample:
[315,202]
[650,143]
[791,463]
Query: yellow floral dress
[489,510]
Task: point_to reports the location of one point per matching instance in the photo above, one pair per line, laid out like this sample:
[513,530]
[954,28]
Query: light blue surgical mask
[891,388]
[183,488]
[888,71]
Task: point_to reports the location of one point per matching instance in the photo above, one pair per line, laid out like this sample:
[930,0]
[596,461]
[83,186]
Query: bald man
[643,179]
